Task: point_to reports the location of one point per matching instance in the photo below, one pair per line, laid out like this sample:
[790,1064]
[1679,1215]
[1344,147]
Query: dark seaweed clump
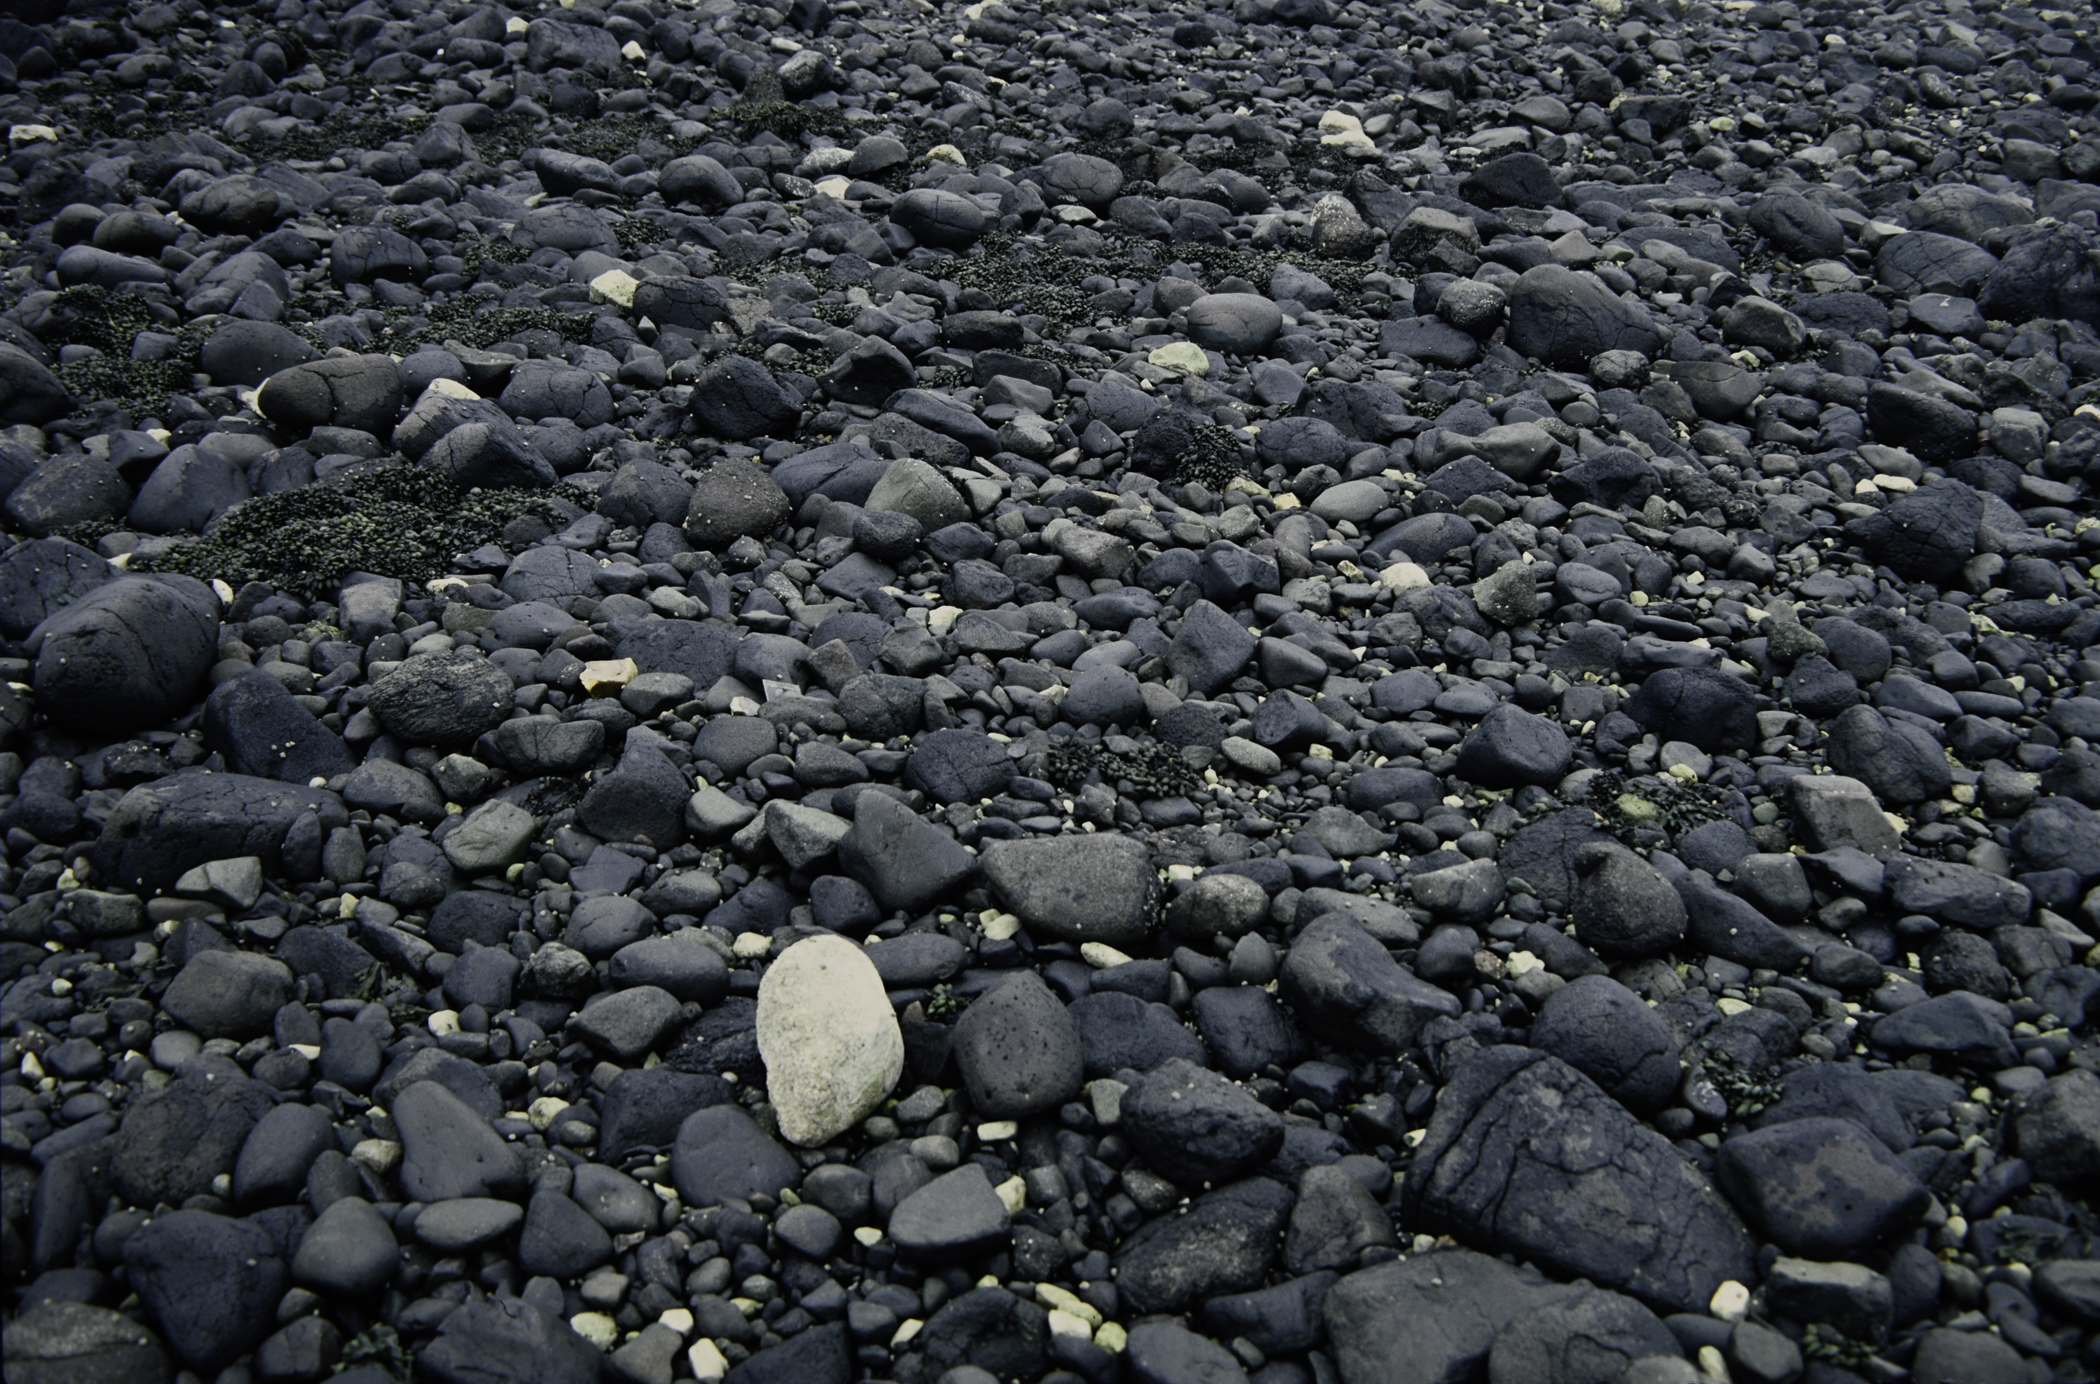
[1213,458]
[471,321]
[1152,771]
[109,323]
[396,523]
[1661,801]
[1046,280]
[789,120]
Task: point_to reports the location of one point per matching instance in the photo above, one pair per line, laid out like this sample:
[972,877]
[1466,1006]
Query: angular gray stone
[904,861]
[448,1150]
[174,1141]
[1831,810]
[1429,1318]
[1623,907]
[76,1343]
[1603,1030]
[348,1252]
[1821,1188]
[228,994]
[1342,981]
[913,487]
[1956,893]
[625,1024]
[1088,888]
[1335,1221]
[1196,1126]
[212,1283]
[2058,1128]
[1564,317]
[1209,649]
[464,1223]
[1235,323]
[129,654]
[1018,1050]
[1170,1353]
[508,1339]
[955,1217]
[1225,1242]
[1589,1337]
[720,1153]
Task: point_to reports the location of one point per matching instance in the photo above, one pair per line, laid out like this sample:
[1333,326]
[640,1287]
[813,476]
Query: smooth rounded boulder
[945,220]
[442,699]
[1019,1051]
[1235,323]
[128,655]
[1564,317]
[362,392]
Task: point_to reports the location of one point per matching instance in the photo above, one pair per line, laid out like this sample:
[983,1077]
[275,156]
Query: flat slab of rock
[1821,1188]
[1430,1318]
[447,1148]
[1526,1154]
[721,1154]
[955,1217]
[162,829]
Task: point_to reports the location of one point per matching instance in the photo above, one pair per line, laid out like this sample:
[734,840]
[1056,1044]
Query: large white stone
[829,1038]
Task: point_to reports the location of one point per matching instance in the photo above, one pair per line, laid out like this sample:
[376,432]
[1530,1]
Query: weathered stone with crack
[1527,1155]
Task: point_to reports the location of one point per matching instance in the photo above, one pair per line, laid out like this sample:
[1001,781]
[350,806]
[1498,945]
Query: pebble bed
[1098,693]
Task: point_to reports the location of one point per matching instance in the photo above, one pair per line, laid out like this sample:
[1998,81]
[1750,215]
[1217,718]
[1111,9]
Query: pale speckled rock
[829,1038]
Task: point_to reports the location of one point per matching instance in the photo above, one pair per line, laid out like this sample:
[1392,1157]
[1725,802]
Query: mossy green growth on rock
[1821,1341]
[348,129]
[87,315]
[1045,279]
[1034,278]
[1746,1092]
[944,1005]
[614,137]
[1635,808]
[397,523]
[136,386]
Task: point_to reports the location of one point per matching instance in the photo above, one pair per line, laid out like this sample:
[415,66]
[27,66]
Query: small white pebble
[706,1361]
